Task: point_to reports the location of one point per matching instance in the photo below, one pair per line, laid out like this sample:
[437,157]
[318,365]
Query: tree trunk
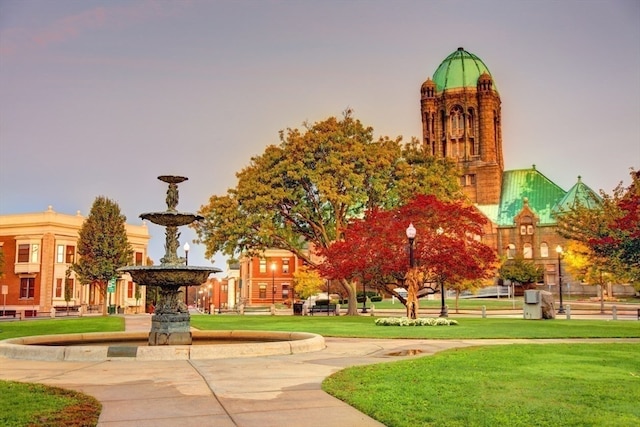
[103,291]
[350,288]
[413,280]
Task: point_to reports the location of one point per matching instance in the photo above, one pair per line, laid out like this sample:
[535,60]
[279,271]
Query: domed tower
[460,111]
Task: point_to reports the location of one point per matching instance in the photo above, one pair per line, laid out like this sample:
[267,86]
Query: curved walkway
[261,391]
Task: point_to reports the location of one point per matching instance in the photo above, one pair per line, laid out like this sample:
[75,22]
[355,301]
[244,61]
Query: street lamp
[273,283]
[559,250]
[443,307]
[186,262]
[411,235]
[208,309]
[364,298]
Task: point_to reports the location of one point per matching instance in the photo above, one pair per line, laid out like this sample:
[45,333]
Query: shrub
[405,321]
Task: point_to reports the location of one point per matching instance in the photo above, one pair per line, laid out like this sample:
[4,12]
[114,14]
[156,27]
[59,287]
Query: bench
[7,313]
[325,308]
[71,308]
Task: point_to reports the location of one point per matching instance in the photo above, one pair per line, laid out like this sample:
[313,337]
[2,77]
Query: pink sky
[100,97]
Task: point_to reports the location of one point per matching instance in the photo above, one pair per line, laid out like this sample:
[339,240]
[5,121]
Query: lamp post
[364,299]
[186,262]
[411,235]
[443,307]
[559,251]
[208,309]
[273,283]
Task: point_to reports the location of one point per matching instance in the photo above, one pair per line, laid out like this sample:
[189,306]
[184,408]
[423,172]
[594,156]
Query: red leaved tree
[447,249]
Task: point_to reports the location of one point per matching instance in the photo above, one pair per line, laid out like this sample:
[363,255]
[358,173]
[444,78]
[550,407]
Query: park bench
[323,308]
[71,308]
[7,313]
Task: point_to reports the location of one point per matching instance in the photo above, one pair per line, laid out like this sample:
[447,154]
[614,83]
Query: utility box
[532,308]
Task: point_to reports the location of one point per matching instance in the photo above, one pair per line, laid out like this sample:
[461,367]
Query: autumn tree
[610,232]
[307,282]
[302,192]
[447,249]
[103,246]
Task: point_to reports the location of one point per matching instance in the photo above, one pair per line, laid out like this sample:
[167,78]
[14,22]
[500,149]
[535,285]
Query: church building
[461,115]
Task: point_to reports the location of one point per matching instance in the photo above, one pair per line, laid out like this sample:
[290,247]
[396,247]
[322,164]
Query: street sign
[111,287]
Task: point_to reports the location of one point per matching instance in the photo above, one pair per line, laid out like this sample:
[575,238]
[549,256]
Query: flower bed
[405,321]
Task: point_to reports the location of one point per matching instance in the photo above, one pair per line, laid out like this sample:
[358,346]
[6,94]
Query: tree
[447,249]
[307,282]
[610,232]
[520,271]
[103,246]
[68,287]
[302,193]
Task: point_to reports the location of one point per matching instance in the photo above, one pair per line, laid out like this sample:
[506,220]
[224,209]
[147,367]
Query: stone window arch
[544,250]
[527,251]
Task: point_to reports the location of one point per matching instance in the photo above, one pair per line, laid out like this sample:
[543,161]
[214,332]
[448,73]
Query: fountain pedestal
[170,329]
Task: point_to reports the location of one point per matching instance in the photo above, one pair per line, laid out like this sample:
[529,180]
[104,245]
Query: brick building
[267,279]
[461,119]
[38,249]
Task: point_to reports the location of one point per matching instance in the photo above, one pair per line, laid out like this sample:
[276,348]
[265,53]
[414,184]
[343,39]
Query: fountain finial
[172,192]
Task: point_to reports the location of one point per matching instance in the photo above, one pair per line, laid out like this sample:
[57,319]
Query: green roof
[579,194]
[458,70]
[542,195]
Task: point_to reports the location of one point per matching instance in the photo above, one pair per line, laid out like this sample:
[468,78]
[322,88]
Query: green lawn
[514,385]
[364,327]
[60,326]
[27,405]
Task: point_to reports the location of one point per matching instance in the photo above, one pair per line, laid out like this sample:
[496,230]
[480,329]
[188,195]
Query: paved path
[262,391]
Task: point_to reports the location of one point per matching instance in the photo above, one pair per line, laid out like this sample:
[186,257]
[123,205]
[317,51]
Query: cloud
[17,39]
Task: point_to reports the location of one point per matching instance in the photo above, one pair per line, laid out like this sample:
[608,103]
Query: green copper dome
[459,70]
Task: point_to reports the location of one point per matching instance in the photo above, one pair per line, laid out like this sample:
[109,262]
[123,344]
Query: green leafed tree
[520,271]
[301,193]
[103,246]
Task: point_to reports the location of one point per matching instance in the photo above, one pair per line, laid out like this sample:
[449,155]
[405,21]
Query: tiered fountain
[170,324]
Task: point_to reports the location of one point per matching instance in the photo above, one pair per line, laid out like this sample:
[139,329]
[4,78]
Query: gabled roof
[542,195]
[579,194]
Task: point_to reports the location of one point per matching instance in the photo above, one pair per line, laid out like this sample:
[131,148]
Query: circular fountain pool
[133,345]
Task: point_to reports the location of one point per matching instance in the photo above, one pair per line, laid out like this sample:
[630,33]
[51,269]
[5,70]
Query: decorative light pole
[209,298]
[443,307]
[411,235]
[186,263]
[273,283]
[364,298]
[559,251]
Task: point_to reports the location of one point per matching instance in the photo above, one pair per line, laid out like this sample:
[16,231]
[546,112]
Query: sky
[98,98]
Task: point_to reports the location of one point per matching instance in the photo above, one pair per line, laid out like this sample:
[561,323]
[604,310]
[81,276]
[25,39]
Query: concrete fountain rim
[280,343]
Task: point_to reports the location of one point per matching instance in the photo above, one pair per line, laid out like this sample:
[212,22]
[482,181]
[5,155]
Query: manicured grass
[364,327]
[463,304]
[514,385]
[24,404]
[60,326]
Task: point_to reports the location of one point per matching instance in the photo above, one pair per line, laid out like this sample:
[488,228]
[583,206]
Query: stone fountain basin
[169,276]
[100,346]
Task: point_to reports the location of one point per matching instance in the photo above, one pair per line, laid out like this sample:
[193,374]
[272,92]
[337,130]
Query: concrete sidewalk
[258,391]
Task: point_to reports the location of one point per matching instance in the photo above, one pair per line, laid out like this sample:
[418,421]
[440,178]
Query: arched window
[544,250]
[527,251]
[511,251]
[457,122]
